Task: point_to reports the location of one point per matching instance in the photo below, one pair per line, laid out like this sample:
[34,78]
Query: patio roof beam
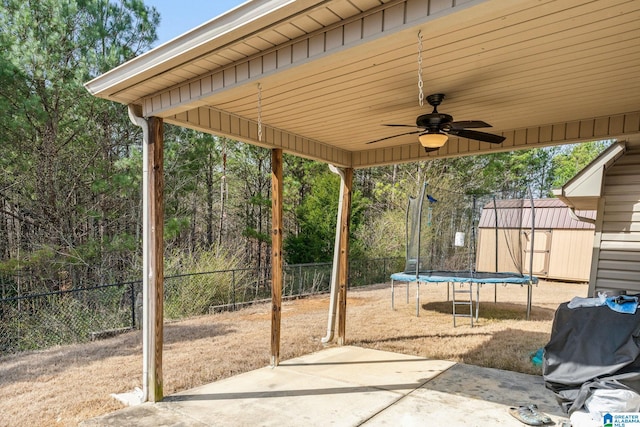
[276,253]
[212,120]
[156,257]
[152,253]
[343,264]
[616,126]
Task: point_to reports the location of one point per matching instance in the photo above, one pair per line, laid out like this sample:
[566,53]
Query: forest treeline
[70,188]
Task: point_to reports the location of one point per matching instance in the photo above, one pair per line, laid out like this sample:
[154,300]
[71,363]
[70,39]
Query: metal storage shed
[562,243]
[611,184]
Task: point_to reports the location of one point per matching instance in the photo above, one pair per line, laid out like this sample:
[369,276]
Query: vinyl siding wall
[616,254]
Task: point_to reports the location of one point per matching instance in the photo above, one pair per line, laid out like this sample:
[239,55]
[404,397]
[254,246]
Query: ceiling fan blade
[478,136]
[469,124]
[394,136]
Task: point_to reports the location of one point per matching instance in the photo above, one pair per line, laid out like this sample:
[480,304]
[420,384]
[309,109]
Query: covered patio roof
[320,78]
[323,76]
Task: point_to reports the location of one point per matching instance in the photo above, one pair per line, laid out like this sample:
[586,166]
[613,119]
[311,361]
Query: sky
[179,16]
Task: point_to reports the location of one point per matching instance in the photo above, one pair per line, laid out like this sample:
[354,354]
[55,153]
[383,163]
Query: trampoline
[439,251]
[477,278]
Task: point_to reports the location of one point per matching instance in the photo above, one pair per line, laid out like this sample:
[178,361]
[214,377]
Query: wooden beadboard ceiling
[517,64]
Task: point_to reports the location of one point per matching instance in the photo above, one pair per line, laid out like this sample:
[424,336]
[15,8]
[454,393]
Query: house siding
[617,246]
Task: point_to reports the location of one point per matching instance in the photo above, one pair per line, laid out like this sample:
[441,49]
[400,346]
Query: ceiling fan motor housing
[433,120]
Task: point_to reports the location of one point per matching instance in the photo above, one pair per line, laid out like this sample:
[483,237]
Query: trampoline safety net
[444,230]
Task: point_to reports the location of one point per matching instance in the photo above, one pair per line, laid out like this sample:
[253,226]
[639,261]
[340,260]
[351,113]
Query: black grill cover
[591,347]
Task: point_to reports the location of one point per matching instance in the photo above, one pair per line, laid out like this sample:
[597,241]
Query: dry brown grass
[65,385]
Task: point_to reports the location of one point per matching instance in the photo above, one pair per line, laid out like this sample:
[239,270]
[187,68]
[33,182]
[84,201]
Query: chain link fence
[37,321]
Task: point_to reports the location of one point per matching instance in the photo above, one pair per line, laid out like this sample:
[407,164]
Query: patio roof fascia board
[195,91]
[227,28]
[600,128]
[212,120]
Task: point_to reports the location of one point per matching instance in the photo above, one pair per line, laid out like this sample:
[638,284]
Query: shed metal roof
[549,214]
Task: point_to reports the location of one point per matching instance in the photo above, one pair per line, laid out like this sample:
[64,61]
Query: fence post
[233,288]
[133,306]
[367,278]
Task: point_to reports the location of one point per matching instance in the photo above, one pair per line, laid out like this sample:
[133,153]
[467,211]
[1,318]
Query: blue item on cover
[537,357]
[623,304]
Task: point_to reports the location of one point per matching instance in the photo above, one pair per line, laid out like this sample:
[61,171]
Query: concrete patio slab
[380,369]
[467,395]
[348,386]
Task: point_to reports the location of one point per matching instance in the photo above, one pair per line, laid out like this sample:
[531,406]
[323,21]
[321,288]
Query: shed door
[541,249]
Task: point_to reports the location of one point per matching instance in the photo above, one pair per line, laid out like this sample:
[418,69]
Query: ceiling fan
[434,127]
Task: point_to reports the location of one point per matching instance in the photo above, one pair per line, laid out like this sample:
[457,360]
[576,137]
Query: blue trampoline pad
[441,276]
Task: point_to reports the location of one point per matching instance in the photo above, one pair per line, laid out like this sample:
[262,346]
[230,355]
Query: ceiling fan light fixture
[432,140]
[433,127]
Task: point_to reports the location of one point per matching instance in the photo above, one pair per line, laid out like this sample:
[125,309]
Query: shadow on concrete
[297,392]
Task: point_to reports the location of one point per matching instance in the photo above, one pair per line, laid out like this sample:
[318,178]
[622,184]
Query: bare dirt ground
[65,385]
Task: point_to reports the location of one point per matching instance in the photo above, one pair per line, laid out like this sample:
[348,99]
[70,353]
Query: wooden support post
[156,258]
[276,253]
[343,273]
